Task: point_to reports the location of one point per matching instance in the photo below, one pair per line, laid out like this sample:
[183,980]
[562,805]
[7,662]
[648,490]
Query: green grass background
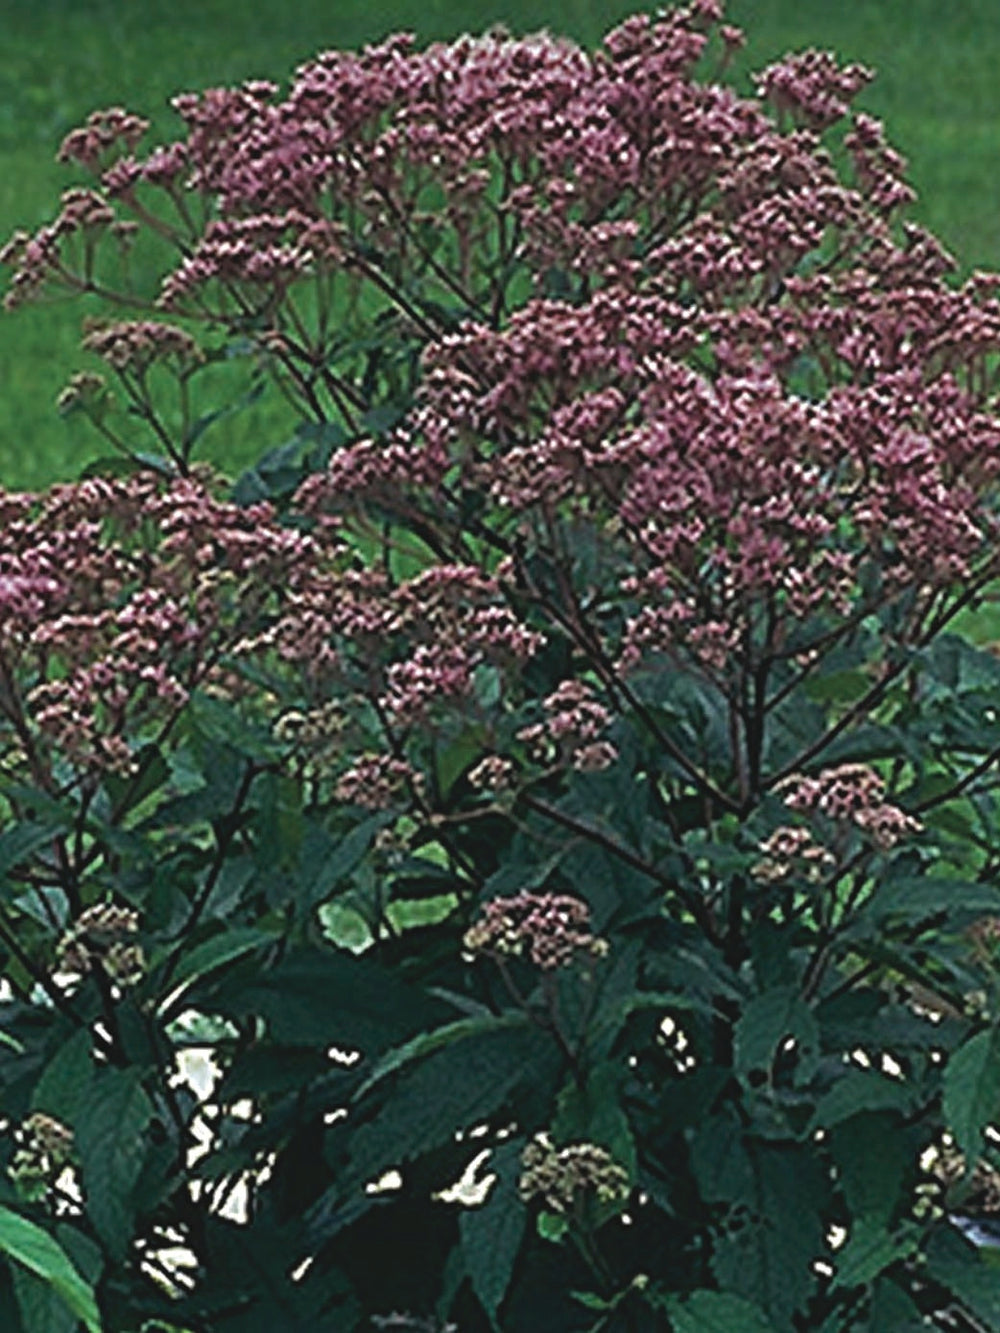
[938,89]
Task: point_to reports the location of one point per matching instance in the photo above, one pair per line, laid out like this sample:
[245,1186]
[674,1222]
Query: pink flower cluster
[413,645]
[572,730]
[102,135]
[792,851]
[376,782]
[38,260]
[812,87]
[853,794]
[135,345]
[264,251]
[649,316]
[117,598]
[551,930]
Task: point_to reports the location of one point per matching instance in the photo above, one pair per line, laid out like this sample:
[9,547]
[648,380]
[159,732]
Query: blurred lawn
[937,89]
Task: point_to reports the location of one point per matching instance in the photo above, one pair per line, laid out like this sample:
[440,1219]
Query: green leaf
[23,840]
[914,898]
[958,1266]
[860,1090]
[842,687]
[491,1235]
[551,1226]
[870,1249]
[344,857]
[972,1091]
[64,1086]
[767,1250]
[320,996]
[893,1311]
[450,1090]
[593,1113]
[766,1023]
[345,926]
[720,1161]
[211,954]
[426,1043]
[717,1312]
[41,1254]
[222,722]
[453,759]
[110,1135]
[873,1154]
[42,1309]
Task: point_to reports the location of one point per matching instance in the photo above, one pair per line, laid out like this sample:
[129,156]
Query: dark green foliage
[418,939]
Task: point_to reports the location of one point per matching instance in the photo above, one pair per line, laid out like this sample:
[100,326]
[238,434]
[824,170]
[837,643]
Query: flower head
[552,930]
[561,1176]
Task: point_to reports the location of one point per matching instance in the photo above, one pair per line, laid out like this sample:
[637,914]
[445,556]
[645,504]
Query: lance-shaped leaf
[28,1245]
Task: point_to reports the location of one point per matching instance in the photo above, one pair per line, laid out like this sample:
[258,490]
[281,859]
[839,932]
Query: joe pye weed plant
[556,787]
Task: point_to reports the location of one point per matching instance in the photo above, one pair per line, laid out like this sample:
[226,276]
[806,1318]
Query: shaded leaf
[871,1248]
[768,1247]
[110,1135]
[41,1254]
[959,1267]
[450,1090]
[64,1086]
[492,1234]
[768,1021]
[861,1090]
[211,954]
[717,1312]
[972,1091]
[328,996]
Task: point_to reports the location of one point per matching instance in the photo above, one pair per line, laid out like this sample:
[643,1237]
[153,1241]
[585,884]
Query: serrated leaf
[717,1312]
[64,1086]
[958,1266]
[209,956]
[426,1043]
[768,1248]
[860,1090]
[766,1023]
[914,898]
[110,1136]
[871,1248]
[450,1090]
[30,1246]
[491,1234]
[972,1091]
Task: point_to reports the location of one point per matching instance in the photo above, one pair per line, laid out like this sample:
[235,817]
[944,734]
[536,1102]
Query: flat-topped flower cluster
[581,663]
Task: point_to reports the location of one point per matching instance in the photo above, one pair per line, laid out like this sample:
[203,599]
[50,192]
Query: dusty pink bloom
[135,345]
[813,87]
[376,782]
[551,930]
[572,729]
[789,851]
[853,794]
[103,132]
[492,774]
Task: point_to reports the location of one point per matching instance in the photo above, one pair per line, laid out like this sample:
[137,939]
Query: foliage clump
[524,855]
